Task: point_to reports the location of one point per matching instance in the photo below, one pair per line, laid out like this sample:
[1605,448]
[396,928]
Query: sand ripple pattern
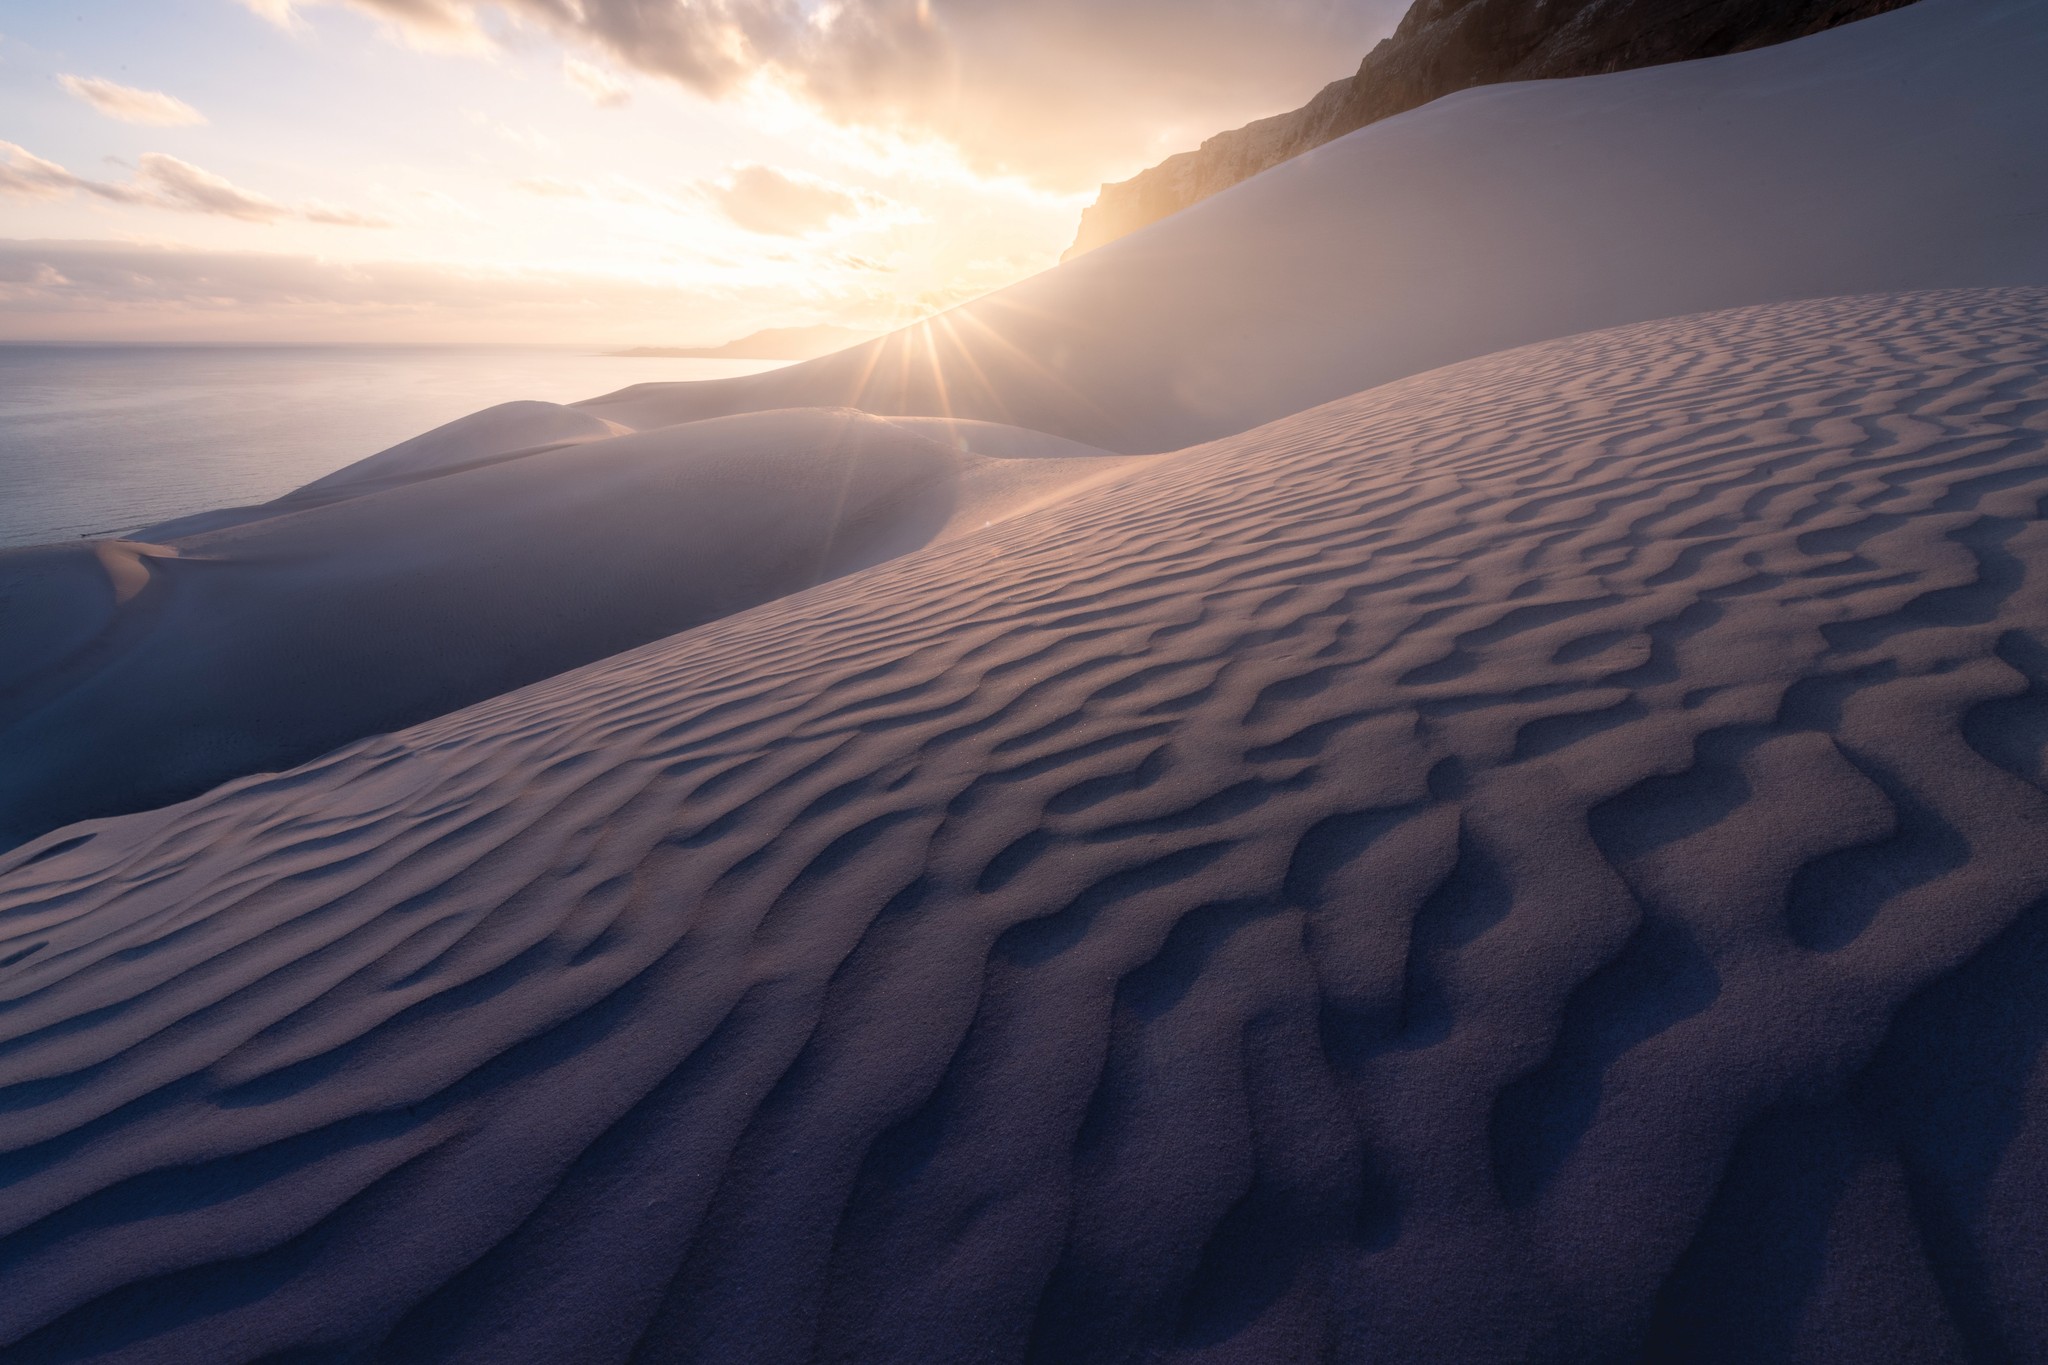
[1547,860]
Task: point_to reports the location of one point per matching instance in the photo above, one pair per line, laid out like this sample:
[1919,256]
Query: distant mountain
[773,343]
[1443,46]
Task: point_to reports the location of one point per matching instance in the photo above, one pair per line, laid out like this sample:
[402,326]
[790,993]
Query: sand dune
[1900,152]
[505,431]
[491,434]
[449,569]
[1539,861]
[530,537]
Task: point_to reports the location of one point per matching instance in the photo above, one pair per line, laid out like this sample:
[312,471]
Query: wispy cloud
[447,25]
[171,183]
[26,174]
[165,182]
[313,211]
[276,11]
[130,105]
[784,203]
[603,88]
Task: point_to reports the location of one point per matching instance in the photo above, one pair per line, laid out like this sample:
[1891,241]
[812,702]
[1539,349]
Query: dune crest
[1510,865]
[127,564]
[1899,152]
[494,433]
[1444,46]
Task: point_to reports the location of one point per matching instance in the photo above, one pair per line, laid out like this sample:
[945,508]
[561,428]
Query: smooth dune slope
[491,434]
[1544,861]
[1900,152]
[448,570]
[503,431]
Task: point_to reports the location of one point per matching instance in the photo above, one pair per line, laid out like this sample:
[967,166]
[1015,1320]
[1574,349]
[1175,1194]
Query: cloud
[782,203]
[126,103]
[26,174]
[1062,91]
[603,88]
[170,183]
[276,11]
[165,182]
[436,25]
[314,211]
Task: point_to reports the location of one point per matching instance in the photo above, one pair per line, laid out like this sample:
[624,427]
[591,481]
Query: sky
[630,172]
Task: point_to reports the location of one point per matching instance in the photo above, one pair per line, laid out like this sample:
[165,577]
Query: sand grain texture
[1544,860]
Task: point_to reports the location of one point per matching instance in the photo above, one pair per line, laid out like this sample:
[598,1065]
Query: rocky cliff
[1442,46]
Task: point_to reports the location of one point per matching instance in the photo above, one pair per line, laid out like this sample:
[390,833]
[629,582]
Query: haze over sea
[104,438]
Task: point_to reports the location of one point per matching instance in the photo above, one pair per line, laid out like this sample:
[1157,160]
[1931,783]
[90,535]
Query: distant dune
[773,343]
[1522,836]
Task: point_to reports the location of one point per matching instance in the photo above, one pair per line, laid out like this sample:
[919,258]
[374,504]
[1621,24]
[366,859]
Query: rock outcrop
[1443,46]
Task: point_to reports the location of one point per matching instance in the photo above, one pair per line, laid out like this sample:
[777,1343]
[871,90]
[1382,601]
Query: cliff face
[1442,46]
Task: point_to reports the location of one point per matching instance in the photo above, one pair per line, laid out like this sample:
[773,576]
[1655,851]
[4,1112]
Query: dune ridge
[1538,861]
[1443,46]
[1898,152]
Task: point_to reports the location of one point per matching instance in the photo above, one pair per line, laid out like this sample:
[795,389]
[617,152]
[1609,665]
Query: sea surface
[95,439]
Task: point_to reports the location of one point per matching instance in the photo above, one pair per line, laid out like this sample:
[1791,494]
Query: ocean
[95,439]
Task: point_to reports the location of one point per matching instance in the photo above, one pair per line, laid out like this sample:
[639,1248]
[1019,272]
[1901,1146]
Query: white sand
[1544,859]
[1371,886]
[491,434]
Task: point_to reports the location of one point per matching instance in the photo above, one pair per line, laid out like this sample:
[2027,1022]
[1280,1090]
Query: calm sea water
[104,438]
